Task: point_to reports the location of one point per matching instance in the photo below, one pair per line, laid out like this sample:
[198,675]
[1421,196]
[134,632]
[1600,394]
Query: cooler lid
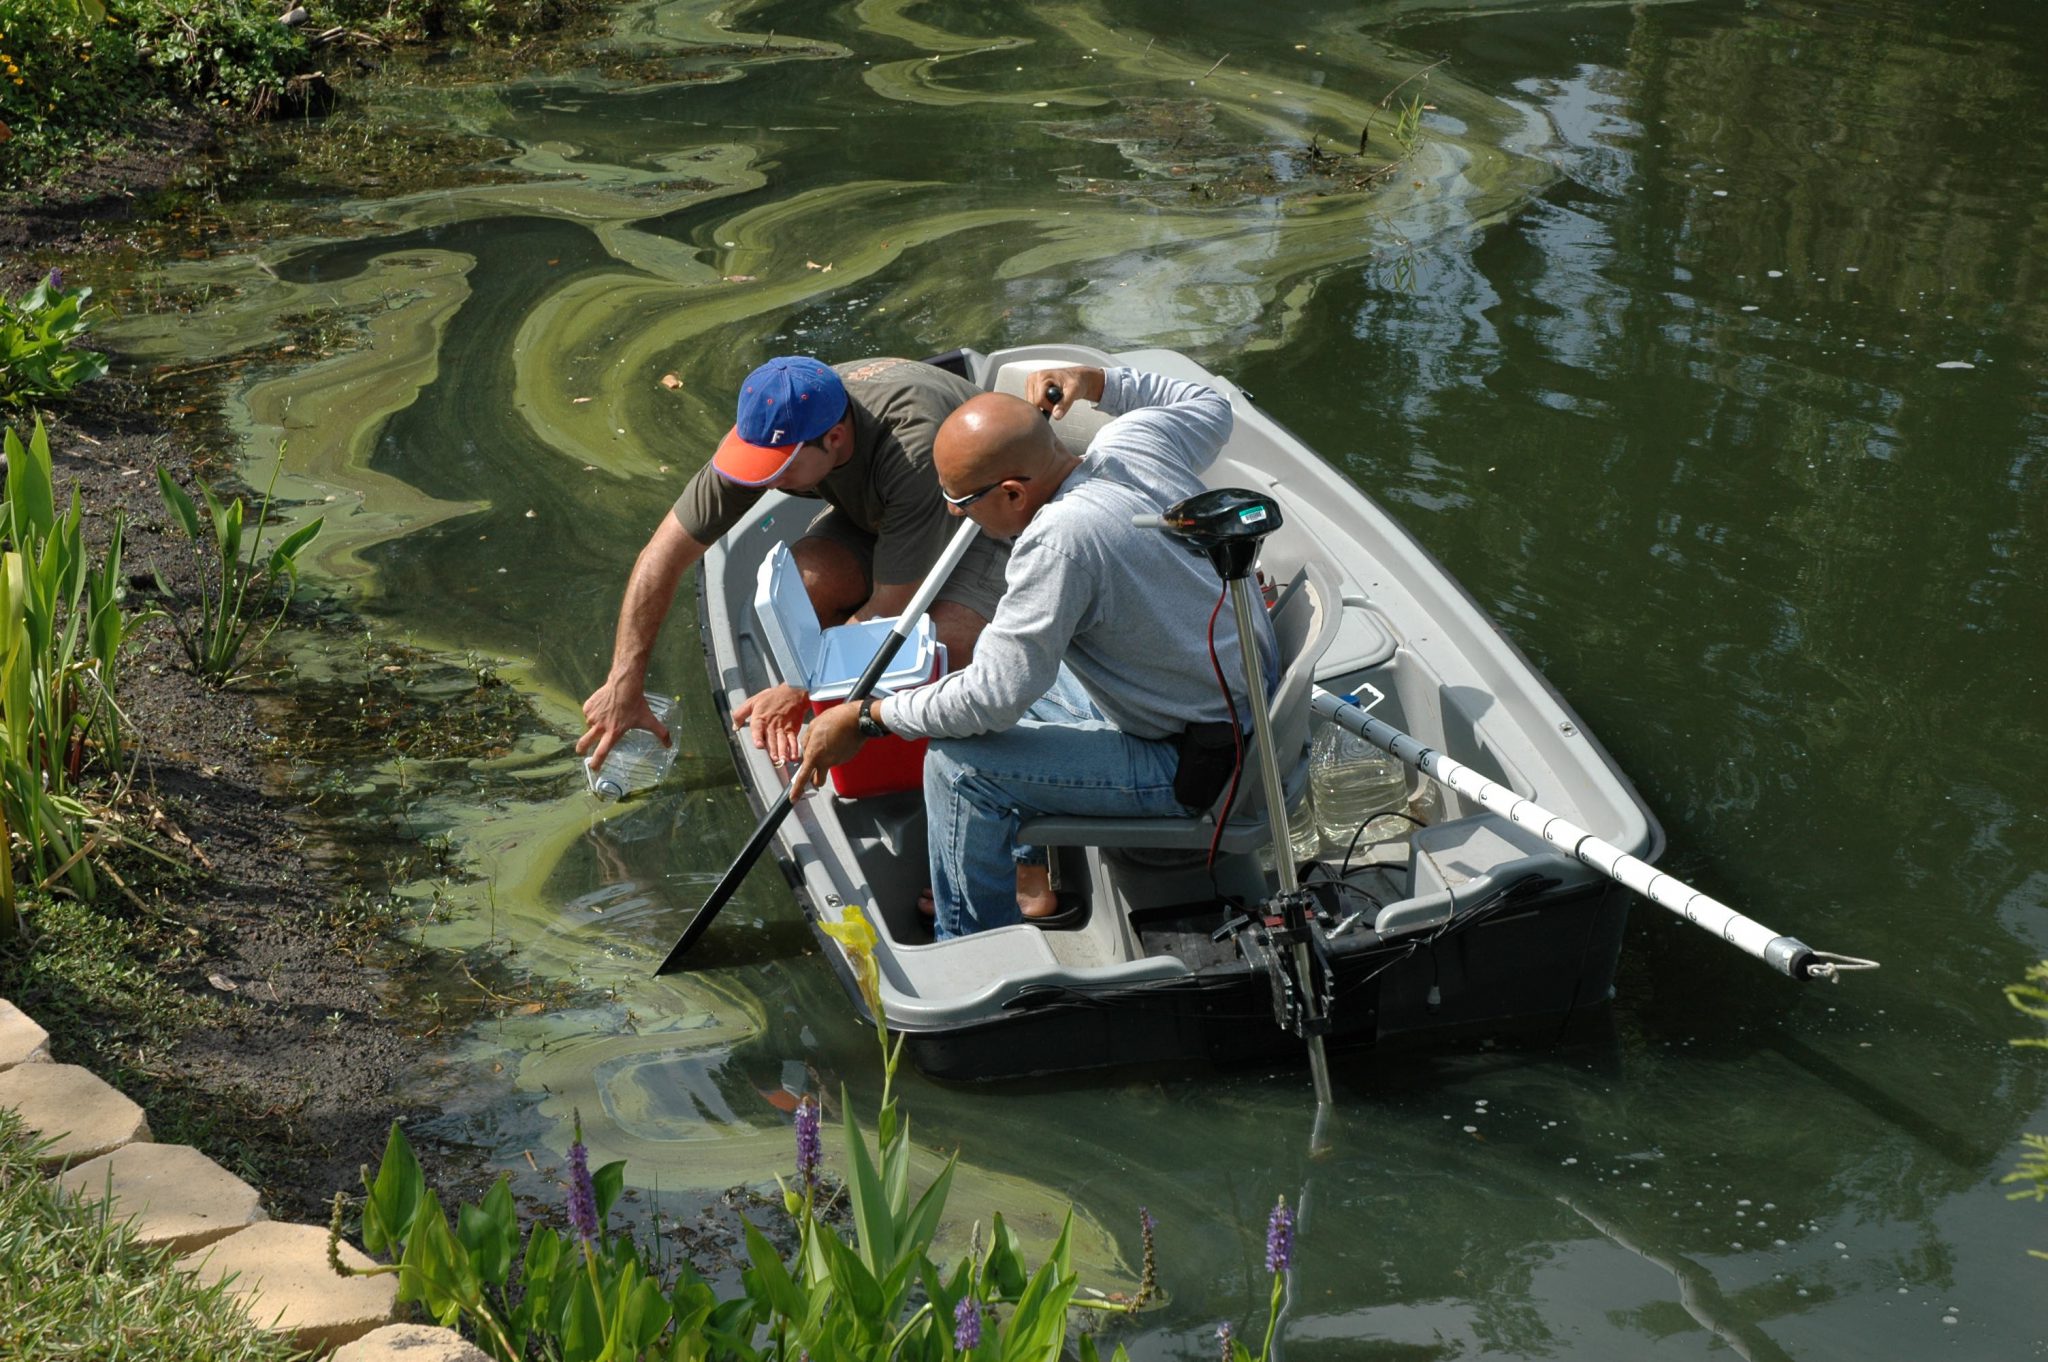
[848,648]
[788,624]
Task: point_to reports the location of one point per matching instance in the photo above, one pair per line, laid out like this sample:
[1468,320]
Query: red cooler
[827,663]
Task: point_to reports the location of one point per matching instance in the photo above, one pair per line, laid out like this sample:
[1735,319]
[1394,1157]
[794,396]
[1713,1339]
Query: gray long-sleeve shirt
[1126,608]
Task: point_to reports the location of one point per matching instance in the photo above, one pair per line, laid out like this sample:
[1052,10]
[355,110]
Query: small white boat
[1458,920]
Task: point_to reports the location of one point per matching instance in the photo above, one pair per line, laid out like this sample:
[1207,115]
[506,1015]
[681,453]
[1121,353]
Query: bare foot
[1035,897]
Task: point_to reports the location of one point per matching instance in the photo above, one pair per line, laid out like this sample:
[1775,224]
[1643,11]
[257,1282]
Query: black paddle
[780,809]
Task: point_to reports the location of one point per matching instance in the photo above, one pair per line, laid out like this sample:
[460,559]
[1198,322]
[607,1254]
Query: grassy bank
[80,77]
[74,1284]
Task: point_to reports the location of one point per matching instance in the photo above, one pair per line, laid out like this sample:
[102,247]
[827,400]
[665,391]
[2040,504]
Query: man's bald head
[992,437]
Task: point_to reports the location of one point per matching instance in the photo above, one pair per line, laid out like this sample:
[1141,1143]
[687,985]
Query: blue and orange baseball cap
[783,405]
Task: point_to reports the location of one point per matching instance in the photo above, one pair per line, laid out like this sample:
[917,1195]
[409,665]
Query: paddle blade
[735,875]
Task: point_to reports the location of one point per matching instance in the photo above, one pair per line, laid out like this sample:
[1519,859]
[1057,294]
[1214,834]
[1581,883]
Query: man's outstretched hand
[611,710]
[834,737]
[776,716]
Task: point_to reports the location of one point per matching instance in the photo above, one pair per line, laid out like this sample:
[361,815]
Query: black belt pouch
[1208,756]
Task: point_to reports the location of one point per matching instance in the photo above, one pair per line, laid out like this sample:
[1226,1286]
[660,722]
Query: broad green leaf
[1039,1324]
[870,1200]
[922,1224]
[29,490]
[179,503]
[394,1198]
[1004,1267]
[607,1182]
[490,1232]
[646,1315]
[582,1324]
[227,532]
[284,558]
[435,1270]
[896,1172]
[770,1279]
[857,1287]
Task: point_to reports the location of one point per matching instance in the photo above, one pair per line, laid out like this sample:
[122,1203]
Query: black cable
[1359,831]
[1236,737]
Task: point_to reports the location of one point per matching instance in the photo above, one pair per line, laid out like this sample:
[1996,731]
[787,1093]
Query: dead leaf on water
[671,382]
[528,1009]
[578,401]
[740,278]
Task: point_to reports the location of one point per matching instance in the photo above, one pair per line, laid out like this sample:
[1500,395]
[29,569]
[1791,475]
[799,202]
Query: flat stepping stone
[88,1117]
[21,1040]
[282,1281]
[411,1343]
[177,1197]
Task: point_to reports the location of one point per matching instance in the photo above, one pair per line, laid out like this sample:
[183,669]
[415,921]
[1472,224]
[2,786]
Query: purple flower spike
[56,281]
[582,1193]
[1280,1237]
[808,1149]
[1224,1337]
[967,1325]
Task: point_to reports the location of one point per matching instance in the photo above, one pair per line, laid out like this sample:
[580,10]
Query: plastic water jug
[1351,780]
[1302,832]
[637,760]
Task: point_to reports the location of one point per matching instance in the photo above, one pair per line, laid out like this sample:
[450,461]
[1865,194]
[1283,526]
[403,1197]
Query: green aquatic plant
[39,332]
[868,1295]
[244,586]
[62,631]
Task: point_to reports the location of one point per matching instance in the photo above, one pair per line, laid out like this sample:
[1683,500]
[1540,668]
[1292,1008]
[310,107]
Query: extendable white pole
[1786,954]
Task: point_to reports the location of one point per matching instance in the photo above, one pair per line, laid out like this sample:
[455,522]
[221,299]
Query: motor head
[1227,524]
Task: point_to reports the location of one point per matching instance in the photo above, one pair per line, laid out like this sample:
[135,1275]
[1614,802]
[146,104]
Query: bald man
[1126,610]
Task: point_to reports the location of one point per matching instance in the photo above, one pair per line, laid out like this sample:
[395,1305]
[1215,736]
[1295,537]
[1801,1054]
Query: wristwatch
[871,725]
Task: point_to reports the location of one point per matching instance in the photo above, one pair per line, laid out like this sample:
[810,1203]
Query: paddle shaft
[779,810]
[1786,954]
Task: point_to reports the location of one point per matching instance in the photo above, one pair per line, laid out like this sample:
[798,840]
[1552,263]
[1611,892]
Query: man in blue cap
[858,437]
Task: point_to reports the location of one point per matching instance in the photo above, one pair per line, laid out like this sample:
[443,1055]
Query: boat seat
[1305,627]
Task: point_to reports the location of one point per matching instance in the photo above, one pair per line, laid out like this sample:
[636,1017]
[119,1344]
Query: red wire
[1236,735]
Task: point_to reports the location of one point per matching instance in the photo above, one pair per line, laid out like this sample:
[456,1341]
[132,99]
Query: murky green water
[1653,339]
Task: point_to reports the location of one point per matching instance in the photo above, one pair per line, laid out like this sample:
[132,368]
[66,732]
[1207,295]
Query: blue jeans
[1061,757]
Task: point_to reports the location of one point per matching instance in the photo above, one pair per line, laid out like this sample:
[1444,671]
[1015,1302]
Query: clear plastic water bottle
[1426,801]
[1302,832]
[637,760]
[1351,780]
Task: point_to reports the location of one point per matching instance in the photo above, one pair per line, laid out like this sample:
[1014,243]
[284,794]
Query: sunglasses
[962,503]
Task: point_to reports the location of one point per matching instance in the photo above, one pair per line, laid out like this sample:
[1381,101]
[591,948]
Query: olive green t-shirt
[887,487]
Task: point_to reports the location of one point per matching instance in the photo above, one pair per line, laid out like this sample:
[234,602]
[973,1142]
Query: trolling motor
[1228,525]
